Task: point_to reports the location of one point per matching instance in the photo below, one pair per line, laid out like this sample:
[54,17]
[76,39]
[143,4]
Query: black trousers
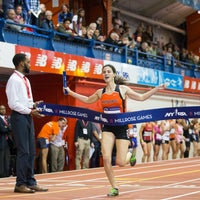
[23,132]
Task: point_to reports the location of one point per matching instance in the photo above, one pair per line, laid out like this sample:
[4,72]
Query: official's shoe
[23,189]
[114,192]
[37,188]
[133,160]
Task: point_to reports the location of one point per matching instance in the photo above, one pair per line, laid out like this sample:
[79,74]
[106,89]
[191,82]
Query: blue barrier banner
[121,118]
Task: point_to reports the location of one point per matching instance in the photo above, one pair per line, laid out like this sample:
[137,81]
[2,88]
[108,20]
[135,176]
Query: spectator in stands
[83,31]
[97,36]
[41,15]
[89,34]
[138,35]
[10,18]
[65,29]
[153,49]
[78,21]
[147,35]
[169,55]
[47,24]
[116,18]
[184,55]
[1,14]
[30,10]
[126,30]
[113,39]
[116,29]
[92,26]
[19,15]
[143,50]
[176,52]
[6,5]
[99,22]
[170,44]
[64,14]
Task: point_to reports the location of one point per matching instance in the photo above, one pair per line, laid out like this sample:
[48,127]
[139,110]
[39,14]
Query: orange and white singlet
[112,103]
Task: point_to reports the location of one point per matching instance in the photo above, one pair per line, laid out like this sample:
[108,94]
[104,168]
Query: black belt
[84,138]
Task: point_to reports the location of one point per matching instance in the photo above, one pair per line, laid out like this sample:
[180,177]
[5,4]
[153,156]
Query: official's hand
[37,103]
[36,113]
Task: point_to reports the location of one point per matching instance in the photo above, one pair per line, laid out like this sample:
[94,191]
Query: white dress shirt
[19,98]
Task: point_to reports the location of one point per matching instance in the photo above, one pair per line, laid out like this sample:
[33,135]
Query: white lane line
[182,195]
[146,189]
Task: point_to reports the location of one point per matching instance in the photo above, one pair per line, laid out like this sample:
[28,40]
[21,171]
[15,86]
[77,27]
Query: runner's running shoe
[133,160]
[113,192]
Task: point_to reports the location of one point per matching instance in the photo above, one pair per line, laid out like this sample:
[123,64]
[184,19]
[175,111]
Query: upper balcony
[51,40]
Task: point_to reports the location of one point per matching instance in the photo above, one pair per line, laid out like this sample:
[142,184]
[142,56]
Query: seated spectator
[184,55]
[65,13]
[169,55]
[65,29]
[153,49]
[10,18]
[113,39]
[89,34]
[144,48]
[92,26]
[41,15]
[83,32]
[19,15]
[97,36]
[47,24]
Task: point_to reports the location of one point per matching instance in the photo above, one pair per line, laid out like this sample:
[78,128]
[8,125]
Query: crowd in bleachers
[73,24]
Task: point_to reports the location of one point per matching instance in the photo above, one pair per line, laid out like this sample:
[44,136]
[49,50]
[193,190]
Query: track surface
[164,180]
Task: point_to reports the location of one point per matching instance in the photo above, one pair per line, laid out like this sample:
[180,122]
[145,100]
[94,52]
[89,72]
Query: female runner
[113,98]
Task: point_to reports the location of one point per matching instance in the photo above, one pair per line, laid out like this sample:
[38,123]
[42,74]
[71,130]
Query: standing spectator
[78,21]
[47,134]
[47,23]
[20,101]
[57,151]
[99,22]
[41,15]
[95,159]
[6,5]
[5,129]
[19,15]
[83,142]
[64,14]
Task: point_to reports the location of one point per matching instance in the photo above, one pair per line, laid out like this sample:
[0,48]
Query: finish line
[120,119]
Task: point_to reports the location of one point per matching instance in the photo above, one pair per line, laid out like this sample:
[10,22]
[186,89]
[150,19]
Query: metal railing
[52,40]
